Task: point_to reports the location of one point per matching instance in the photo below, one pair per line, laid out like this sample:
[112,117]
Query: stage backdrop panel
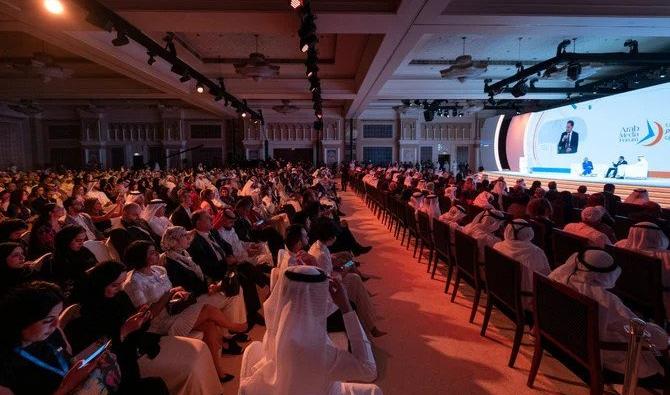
[633,124]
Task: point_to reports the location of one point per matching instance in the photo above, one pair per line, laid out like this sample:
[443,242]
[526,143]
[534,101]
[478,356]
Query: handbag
[230,285]
[175,307]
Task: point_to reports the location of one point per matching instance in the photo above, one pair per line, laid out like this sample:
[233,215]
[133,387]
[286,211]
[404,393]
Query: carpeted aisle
[430,347]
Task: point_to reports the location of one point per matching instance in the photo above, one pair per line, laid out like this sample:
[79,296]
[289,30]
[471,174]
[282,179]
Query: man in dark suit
[182,214]
[215,256]
[615,167]
[569,140]
[132,228]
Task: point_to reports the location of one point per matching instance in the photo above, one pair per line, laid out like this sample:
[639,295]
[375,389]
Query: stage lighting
[185,77]
[121,39]
[319,114]
[199,88]
[244,114]
[454,112]
[318,124]
[54,6]
[519,89]
[151,59]
[295,4]
[574,70]
[428,115]
[100,20]
[308,41]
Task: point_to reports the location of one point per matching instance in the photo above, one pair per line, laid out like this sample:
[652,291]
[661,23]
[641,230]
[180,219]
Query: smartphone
[94,350]
[349,265]
[259,222]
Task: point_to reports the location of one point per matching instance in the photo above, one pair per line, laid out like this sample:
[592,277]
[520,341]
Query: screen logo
[654,133]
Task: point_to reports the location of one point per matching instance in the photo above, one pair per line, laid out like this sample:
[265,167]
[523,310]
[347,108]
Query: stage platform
[659,188]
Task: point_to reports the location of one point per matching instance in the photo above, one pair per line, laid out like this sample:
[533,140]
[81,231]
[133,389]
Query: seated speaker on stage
[638,169]
[587,167]
[615,167]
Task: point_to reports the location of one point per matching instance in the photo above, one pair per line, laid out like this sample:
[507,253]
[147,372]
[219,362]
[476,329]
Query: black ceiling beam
[610,59]
[101,11]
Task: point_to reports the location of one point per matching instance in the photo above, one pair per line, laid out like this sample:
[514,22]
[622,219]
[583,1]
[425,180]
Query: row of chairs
[564,321]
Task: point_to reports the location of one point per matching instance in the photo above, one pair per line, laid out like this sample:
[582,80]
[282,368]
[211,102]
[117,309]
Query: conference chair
[467,268]
[99,249]
[503,290]
[639,285]
[411,228]
[442,236]
[425,237]
[565,244]
[566,324]
[625,209]
[621,226]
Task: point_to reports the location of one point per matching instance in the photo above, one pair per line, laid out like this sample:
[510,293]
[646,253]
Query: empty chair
[639,284]
[442,239]
[565,244]
[467,268]
[503,290]
[621,226]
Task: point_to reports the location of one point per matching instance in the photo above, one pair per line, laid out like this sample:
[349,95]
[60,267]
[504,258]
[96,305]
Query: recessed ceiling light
[54,6]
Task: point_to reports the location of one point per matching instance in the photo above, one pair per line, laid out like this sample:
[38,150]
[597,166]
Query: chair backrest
[564,245]
[503,281]
[539,234]
[441,237]
[567,320]
[410,217]
[628,208]
[665,214]
[622,226]
[424,225]
[99,249]
[639,284]
[68,315]
[466,254]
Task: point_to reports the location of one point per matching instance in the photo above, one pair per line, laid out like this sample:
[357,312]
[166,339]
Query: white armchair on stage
[639,169]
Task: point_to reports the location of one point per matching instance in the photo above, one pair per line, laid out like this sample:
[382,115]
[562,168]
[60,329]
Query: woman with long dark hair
[17,205]
[70,261]
[184,364]
[14,269]
[44,230]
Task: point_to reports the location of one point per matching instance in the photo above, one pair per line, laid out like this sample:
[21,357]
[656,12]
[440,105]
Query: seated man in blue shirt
[587,166]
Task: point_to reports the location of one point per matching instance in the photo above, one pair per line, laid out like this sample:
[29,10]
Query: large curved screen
[635,125]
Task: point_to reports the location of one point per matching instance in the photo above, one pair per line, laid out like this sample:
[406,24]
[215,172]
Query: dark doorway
[138,161]
[118,157]
[444,160]
[293,154]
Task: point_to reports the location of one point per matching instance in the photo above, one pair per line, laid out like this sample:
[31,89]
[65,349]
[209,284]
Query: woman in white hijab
[154,214]
[591,217]
[648,238]
[297,356]
[639,196]
[518,246]
[592,273]
[483,227]
[484,200]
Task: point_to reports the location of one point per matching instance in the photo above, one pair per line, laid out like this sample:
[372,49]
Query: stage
[659,188]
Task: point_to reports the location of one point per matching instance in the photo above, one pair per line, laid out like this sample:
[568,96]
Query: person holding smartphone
[34,356]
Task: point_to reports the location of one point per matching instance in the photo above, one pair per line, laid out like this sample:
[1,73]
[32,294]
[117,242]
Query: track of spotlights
[296,4]
[54,6]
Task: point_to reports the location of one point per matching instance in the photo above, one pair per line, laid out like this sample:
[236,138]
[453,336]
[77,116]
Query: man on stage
[615,167]
[569,140]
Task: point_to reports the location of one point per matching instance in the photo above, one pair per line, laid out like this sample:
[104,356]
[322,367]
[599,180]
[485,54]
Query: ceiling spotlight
[295,4]
[218,97]
[311,70]
[308,41]
[319,114]
[519,89]
[460,114]
[428,115]
[151,59]
[121,39]
[199,87]
[244,114]
[185,77]
[54,6]
[454,112]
